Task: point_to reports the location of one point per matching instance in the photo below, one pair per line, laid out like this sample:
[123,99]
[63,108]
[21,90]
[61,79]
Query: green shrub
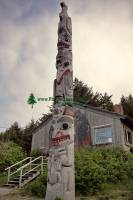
[36,153]
[131,149]
[10,153]
[58,198]
[89,176]
[37,187]
[94,167]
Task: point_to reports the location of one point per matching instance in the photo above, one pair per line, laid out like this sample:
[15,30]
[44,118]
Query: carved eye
[66,64]
[65,126]
[58,62]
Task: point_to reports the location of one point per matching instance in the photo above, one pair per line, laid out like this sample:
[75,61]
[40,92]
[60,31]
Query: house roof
[124,119]
[100,110]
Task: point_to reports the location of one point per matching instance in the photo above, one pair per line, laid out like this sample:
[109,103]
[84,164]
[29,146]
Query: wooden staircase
[25,171]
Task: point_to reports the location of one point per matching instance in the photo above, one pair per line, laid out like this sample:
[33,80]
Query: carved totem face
[61,140]
[62,126]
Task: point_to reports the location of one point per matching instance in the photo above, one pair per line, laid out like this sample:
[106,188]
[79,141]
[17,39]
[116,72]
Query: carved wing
[69,25]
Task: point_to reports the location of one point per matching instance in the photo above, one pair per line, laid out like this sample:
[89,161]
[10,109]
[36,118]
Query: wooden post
[8,178]
[30,161]
[42,165]
[20,178]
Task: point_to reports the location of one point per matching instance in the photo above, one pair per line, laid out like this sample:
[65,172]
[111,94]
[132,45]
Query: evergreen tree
[22,137]
[85,95]
[106,102]
[14,133]
[27,136]
[127,103]
[31,100]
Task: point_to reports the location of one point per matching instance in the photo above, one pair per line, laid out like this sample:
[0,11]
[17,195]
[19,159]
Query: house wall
[86,120]
[127,130]
[40,139]
[98,118]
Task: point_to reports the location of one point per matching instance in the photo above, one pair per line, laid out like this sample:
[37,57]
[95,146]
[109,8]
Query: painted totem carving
[61,181]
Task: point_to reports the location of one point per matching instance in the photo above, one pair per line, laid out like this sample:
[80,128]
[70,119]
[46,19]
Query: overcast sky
[102,51]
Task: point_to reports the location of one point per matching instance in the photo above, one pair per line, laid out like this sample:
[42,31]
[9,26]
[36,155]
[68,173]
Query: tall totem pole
[61,180]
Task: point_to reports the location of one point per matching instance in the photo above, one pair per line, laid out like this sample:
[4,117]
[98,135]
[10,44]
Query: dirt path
[13,194]
[5,191]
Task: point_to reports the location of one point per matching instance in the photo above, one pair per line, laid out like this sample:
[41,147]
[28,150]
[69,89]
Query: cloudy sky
[102,51]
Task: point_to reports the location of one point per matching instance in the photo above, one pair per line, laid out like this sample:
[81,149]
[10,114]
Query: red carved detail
[65,73]
[59,138]
[63,45]
[86,141]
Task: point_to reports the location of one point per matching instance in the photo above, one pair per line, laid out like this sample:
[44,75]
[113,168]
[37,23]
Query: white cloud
[103,45]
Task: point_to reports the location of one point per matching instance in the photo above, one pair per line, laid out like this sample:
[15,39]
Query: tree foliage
[127,103]
[10,153]
[86,95]
[22,136]
[18,135]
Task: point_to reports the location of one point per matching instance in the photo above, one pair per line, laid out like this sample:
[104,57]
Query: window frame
[102,126]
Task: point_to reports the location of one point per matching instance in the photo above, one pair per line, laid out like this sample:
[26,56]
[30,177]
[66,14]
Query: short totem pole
[61,180]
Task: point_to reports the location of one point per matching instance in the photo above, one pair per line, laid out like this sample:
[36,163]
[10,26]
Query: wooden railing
[8,169]
[36,164]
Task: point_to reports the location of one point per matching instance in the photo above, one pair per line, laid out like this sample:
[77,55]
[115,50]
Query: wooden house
[93,126]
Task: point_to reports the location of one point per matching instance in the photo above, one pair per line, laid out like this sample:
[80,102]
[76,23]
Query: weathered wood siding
[40,138]
[97,118]
[90,116]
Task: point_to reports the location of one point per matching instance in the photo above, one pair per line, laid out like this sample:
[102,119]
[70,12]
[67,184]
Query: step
[30,178]
[17,179]
[25,179]
[13,182]
[28,175]
[33,171]
[10,185]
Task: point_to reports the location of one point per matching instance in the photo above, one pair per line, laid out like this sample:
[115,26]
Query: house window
[103,134]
